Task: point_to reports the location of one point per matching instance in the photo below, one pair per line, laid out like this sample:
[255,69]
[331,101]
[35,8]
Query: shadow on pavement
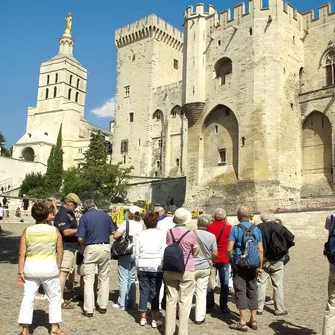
[40,319]
[285,327]
[9,247]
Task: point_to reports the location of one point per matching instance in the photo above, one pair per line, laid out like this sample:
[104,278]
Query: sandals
[58,332]
[242,327]
[252,324]
[67,305]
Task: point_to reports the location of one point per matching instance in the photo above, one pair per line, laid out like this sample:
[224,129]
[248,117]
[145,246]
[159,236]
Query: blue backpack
[249,249]
[329,249]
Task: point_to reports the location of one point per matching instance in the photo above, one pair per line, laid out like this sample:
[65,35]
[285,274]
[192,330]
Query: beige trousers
[179,287]
[96,255]
[274,271]
[200,291]
[329,317]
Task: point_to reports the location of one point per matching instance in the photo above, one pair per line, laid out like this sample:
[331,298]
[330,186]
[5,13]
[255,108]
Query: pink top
[187,244]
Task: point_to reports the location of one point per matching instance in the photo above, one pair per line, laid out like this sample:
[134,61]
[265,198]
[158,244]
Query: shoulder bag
[212,283]
[123,245]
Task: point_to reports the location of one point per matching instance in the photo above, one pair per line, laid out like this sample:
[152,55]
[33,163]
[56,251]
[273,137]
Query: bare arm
[230,250]
[69,232]
[214,254]
[260,253]
[81,240]
[59,249]
[195,251]
[22,258]
[117,235]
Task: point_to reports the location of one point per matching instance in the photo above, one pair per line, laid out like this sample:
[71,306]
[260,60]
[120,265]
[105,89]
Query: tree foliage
[97,151]
[54,174]
[33,185]
[98,180]
[3,150]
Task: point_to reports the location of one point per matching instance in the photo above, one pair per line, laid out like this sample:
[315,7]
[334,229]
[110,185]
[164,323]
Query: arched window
[48,79]
[55,92]
[77,96]
[28,154]
[47,93]
[223,67]
[56,78]
[69,94]
[71,79]
[78,83]
[330,68]
[124,146]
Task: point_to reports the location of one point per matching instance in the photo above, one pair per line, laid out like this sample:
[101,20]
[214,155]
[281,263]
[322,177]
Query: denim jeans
[127,288]
[223,270]
[150,285]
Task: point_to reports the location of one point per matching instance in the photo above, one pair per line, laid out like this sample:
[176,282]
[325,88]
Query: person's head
[40,211]
[219,214]
[71,201]
[160,210]
[50,205]
[88,204]
[243,213]
[134,213]
[204,220]
[267,216]
[150,220]
[182,216]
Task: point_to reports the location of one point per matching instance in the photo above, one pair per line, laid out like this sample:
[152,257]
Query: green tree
[97,152]
[74,181]
[54,174]
[3,150]
[33,185]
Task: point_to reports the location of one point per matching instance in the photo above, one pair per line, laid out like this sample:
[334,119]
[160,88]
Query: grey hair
[204,220]
[159,209]
[219,214]
[89,203]
[243,212]
[267,216]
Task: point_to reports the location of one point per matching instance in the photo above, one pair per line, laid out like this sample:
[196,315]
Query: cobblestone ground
[305,297]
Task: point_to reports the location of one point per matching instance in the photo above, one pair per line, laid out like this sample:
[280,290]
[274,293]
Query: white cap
[134,209]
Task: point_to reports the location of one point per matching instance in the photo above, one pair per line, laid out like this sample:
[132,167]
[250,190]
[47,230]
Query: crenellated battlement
[149,26]
[325,16]
[199,11]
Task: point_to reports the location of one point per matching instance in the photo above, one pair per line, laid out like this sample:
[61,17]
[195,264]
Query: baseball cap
[134,209]
[74,198]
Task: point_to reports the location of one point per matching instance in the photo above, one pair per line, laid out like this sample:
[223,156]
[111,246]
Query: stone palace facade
[241,103]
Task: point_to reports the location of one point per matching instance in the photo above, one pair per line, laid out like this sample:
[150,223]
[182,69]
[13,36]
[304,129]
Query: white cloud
[106,110]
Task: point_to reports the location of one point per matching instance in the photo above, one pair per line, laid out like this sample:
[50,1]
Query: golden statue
[68,20]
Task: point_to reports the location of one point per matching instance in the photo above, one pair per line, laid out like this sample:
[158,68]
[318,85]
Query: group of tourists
[171,262]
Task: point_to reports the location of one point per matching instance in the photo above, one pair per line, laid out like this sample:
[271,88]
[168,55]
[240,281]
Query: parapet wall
[256,9]
[167,88]
[149,26]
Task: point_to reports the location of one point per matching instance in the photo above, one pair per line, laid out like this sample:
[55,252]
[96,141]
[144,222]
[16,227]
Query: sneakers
[156,323]
[119,307]
[143,321]
[277,313]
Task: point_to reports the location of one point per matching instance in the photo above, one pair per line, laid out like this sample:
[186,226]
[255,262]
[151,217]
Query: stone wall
[13,171]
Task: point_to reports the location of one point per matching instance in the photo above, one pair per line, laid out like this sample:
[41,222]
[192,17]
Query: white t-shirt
[1,212]
[135,228]
[165,224]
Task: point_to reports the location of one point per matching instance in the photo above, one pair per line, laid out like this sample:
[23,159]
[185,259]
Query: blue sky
[29,32]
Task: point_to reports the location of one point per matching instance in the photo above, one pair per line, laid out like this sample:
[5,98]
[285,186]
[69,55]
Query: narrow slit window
[48,79]
[56,78]
[69,94]
[55,92]
[47,93]
[223,156]
[131,117]
[77,96]
[70,80]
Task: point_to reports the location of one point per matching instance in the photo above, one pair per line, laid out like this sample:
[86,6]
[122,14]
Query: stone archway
[317,153]
[28,154]
[221,144]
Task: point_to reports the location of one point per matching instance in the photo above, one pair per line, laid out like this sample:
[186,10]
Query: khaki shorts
[69,261]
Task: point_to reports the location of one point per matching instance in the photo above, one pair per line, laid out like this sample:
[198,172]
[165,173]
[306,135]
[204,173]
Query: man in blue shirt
[244,278]
[95,228]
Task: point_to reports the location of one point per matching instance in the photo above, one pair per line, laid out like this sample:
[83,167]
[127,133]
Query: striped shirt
[41,258]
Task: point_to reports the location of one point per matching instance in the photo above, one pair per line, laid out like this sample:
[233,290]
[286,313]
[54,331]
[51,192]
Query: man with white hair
[277,239]
[221,229]
[164,222]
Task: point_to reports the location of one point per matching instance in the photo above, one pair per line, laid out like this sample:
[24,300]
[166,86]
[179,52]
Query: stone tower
[60,101]
[149,59]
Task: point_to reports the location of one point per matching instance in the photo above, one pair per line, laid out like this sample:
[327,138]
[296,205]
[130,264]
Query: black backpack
[277,246]
[173,259]
[329,249]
